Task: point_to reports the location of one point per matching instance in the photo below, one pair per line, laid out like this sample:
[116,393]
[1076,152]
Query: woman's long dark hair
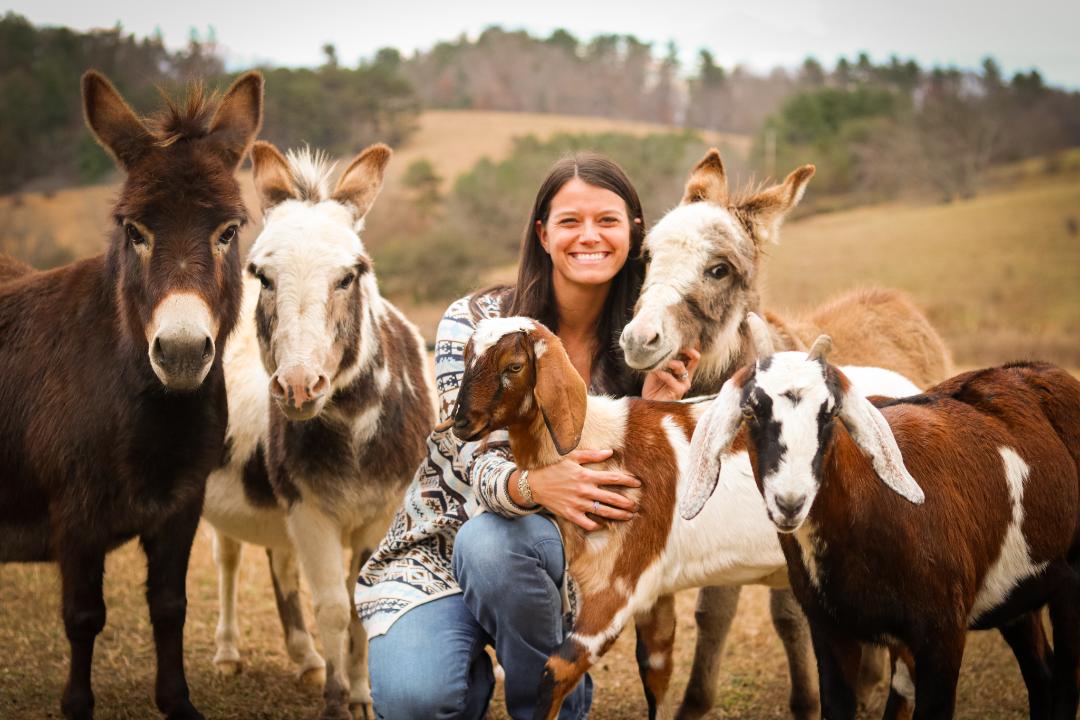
[534,293]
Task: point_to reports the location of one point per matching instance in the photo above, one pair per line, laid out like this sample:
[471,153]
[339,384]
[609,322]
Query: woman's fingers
[582,457]
[608,512]
[579,519]
[614,499]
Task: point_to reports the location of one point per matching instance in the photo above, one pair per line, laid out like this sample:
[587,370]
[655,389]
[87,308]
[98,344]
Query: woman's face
[587,233]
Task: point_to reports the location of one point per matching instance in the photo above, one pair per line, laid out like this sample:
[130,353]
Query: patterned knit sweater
[412,564]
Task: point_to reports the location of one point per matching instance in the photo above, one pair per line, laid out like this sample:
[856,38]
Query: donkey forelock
[311,171]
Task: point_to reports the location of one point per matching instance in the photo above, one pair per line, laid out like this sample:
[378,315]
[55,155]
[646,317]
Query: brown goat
[909,521]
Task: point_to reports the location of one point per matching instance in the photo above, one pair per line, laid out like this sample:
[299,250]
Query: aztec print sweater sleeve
[488,463]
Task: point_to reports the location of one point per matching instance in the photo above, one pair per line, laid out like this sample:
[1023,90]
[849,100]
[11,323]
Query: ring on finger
[596,507]
[684,376]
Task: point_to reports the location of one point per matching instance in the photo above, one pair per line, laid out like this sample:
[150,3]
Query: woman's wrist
[519,490]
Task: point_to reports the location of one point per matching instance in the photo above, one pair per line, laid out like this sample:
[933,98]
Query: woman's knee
[492,550]
[398,690]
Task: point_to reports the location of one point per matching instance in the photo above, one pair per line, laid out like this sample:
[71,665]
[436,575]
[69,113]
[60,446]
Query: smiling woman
[439,589]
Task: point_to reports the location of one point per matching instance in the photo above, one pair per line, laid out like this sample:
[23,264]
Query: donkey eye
[347,281]
[718,271]
[134,235]
[228,236]
[265,281]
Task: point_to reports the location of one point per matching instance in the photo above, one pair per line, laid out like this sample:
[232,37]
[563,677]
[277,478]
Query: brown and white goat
[518,377]
[909,521]
[703,274]
[330,405]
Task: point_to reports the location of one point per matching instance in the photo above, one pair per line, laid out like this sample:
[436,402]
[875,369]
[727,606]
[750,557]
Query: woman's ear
[541,232]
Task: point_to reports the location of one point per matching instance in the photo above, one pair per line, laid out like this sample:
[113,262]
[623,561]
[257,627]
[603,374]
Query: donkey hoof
[362,711]
[228,668]
[313,677]
[335,712]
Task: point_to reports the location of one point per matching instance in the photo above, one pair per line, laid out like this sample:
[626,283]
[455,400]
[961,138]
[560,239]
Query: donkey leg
[168,549]
[1027,639]
[81,574]
[655,642]
[317,538]
[311,668]
[360,703]
[715,612]
[791,626]
[227,558]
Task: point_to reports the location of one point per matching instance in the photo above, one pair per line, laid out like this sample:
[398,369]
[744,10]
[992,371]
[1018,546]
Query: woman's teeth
[587,257]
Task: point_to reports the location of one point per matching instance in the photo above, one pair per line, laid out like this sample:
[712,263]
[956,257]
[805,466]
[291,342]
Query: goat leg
[655,642]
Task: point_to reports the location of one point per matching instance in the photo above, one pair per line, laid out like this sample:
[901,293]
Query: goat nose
[790,505]
[183,353]
[298,386]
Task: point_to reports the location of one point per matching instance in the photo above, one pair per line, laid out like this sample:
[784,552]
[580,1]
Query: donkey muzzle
[181,342]
[299,391]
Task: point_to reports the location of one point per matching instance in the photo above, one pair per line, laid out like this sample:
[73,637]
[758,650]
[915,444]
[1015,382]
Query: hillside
[75,220]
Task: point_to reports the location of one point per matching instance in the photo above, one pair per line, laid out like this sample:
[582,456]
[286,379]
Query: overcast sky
[1035,33]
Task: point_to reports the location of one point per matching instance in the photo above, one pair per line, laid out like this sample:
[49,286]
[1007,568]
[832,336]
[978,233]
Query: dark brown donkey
[112,396]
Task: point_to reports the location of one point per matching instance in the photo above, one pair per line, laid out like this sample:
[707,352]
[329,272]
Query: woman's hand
[569,490]
[672,382]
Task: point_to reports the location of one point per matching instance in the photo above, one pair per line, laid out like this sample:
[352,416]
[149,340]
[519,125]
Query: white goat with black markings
[329,407]
[906,522]
[519,377]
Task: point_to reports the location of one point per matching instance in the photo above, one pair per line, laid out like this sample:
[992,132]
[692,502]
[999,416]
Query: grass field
[33,665]
[998,274]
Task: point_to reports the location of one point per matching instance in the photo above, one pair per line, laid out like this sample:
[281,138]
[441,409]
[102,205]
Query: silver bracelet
[523,488]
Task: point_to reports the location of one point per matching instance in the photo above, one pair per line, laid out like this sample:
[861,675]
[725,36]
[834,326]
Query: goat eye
[228,235]
[134,235]
[346,281]
[514,367]
[718,271]
[265,281]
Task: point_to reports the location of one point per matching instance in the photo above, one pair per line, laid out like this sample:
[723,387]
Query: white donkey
[329,407]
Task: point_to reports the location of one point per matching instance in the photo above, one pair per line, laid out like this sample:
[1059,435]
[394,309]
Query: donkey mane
[311,171]
[188,119]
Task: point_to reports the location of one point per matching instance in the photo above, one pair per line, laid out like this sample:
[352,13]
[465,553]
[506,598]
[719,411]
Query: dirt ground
[33,660]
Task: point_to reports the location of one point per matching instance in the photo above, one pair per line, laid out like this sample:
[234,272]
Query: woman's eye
[134,235]
[346,281]
[228,235]
[718,271]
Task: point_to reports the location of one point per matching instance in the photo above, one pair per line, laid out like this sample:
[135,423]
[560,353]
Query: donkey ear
[713,435]
[113,122]
[560,392]
[765,211]
[238,118]
[707,181]
[273,181]
[363,179]
[871,432]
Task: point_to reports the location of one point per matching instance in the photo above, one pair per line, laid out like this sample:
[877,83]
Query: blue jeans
[432,664]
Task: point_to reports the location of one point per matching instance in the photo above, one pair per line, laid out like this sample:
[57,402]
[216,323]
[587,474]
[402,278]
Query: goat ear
[363,179]
[238,118]
[707,181]
[759,331]
[112,121]
[273,180]
[713,435]
[871,432]
[560,392]
[765,211]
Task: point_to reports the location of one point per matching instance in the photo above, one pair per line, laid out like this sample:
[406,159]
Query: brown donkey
[111,377]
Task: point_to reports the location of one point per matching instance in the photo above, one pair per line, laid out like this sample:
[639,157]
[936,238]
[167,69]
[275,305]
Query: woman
[439,589]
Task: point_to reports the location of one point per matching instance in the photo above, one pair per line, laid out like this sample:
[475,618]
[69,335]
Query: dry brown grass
[33,665]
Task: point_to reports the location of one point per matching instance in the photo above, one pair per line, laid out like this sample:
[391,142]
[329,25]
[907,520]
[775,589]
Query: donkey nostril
[320,386]
[277,387]
[159,354]
[208,349]
[653,341]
